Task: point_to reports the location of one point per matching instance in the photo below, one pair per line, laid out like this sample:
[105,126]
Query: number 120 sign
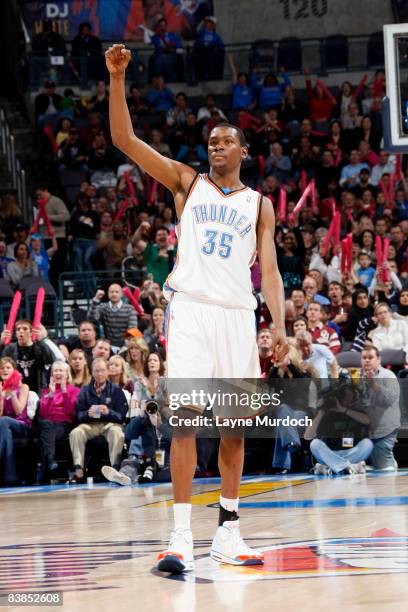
[302,9]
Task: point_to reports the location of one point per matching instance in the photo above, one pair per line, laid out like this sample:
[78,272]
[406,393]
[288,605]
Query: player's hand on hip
[117,58]
[280,345]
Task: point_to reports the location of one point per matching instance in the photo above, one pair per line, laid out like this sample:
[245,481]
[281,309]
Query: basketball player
[211,330]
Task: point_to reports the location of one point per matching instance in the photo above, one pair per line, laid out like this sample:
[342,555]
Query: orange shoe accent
[246,557]
[168,553]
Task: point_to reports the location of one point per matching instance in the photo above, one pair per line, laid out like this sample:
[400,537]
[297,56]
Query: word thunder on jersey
[217,245]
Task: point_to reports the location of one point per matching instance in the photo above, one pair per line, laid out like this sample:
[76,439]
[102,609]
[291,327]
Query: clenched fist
[117,58]
[99,295]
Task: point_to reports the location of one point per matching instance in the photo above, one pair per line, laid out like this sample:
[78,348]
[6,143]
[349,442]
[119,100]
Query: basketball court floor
[338,543]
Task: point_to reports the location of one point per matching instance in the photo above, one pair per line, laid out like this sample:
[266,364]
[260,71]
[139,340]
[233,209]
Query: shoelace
[177,534]
[238,541]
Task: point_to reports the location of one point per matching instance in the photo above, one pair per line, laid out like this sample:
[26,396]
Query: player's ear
[244,152]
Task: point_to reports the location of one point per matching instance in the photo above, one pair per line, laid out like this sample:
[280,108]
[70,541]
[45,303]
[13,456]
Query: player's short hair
[241,135]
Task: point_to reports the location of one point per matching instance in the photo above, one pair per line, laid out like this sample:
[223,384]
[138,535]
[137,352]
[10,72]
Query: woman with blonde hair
[79,368]
[137,354]
[118,374]
[57,413]
[14,418]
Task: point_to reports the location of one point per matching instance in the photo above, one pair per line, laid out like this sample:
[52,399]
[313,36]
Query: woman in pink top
[14,420]
[57,412]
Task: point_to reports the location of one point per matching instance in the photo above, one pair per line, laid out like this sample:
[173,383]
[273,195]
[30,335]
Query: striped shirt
[115,321]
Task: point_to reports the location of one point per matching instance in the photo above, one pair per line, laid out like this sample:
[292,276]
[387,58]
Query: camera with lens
[152,407]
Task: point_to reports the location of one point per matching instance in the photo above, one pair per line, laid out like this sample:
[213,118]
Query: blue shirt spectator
[207,36]
[160,98]
[271,92]
[164,40]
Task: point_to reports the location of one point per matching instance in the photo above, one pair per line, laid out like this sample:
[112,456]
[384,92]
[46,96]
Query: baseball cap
[133,332]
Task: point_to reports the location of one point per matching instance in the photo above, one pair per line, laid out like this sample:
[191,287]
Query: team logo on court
[381,553]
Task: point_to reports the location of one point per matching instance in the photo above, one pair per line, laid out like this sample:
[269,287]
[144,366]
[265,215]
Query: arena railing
[320,55]
[18,174]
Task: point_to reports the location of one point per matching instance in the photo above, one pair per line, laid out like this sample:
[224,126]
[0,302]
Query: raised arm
[272,285]
[175,176]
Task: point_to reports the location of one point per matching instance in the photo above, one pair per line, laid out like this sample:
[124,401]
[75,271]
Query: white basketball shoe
[178,557]
[229,547]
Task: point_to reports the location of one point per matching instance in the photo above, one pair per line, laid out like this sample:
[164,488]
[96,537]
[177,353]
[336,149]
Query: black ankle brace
[226,515]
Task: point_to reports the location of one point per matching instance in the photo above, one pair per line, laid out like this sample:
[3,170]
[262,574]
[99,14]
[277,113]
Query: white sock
[229,504]
[182,515]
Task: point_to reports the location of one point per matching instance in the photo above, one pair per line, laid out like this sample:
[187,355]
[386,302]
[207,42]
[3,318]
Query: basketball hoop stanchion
[15,306]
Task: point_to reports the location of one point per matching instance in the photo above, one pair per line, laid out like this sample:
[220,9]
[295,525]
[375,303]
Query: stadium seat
[375,50]
[336,52]
[70,181]
[6,291]
[262,54]
[349,359]
[290,54]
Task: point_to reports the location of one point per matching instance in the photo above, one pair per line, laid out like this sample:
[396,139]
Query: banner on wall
[116,19]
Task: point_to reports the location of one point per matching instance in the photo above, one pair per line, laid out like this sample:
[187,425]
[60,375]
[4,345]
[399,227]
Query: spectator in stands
[42,256]
[47,41]
[58,215]
[399,242]
[20,234]
[299,301]
[101,157]
[14,419]
[160,98]
[158,257]
[390,334]
[154,333]
[115,249]
[299,324]
[4,260]
[102,348]
[365,273]
[339,423]
[156,143]
[265,350]
[360,310]
[86,340]
[243,94]
[96,126]
[116,316]
[32,358]
[402,307]
[177,115]
[73,153]
[339,308]
[118,375]
[10,215]
[350,174]
[192,150]
[297,404]
[22,266]
[99,103]
[278,164]
[84,229]
[47,103]
[79,368]
[321,334]
[370,134]
[321,102]
[135,103]
[166,59]
[62,130]
[208,111]
[137,354]
[85,43]
[101,410]
[56,414]
[320,357]
[383,408]
[309,286]
[386,165]
[208,51]
[270,94]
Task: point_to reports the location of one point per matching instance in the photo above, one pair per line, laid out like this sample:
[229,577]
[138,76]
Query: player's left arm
[272,285]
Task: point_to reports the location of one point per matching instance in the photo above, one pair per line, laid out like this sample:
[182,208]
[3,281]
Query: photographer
[339,433]
[147,425]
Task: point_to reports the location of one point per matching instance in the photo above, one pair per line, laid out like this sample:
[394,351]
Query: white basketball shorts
[210,341]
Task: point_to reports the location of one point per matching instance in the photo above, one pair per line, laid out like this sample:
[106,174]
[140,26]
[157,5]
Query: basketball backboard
[395,104]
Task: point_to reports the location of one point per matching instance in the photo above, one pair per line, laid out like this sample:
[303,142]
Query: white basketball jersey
[217,245]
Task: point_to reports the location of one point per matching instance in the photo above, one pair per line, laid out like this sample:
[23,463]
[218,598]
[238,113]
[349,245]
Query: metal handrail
[18,174]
